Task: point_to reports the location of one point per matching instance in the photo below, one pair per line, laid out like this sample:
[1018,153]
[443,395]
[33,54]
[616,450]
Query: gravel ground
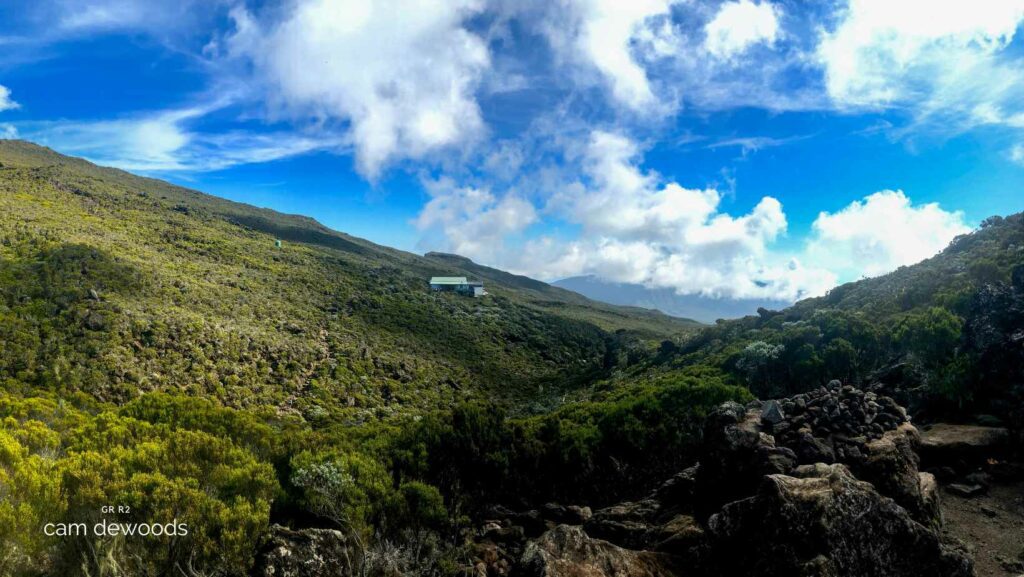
[992,526]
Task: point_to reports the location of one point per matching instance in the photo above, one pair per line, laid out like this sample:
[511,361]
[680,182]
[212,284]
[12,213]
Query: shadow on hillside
[299,234]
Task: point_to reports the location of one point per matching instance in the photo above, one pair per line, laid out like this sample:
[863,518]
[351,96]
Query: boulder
[676,494]
[571,515]
[823,522]
[625,524]
[931,511]
[567,551]
[682,535]
[306,553]
[810,449]
[771,414]
[735,454]
[891,465]
[961,446]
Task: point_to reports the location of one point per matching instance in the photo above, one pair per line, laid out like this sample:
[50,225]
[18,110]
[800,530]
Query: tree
[757,363]
[931,335]
[840,360]
[350,490]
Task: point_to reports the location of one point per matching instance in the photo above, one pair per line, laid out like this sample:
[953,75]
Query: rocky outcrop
[305,553]
[822,484]
[736,453]
[890,463]
[625,524]
[820,522]
[568,551]
[869,433]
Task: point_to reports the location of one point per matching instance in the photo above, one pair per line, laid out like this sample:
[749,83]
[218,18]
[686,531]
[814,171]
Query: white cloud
[162,142]
[105,14]
[6,103]
[943,54]
[636,229]
[470,221]
[739,25]
[754,143]
[8,131]
[881,233]
[629,226]
[402,74]
[1017,153]
[626,224]
[614,37]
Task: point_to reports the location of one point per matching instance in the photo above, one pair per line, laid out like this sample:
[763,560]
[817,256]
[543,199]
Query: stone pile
[833,413]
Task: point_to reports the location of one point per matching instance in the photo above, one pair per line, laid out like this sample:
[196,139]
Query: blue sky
[745,148]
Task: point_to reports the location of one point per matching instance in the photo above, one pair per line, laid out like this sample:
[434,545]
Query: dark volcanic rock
[811,449]
[571,515]
[735,455]
[682,536]
[891,465]
[751,508]
[771,414]
[567,551]
[305,553]
[676,494]
[824,522]
[625,524]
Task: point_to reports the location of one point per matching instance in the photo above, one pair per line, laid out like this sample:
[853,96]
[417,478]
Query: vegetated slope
[943,335]
[114,285]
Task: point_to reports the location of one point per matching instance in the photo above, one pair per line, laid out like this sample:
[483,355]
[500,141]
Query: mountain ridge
[694,306]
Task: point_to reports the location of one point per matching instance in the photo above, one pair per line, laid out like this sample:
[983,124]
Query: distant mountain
[697,307]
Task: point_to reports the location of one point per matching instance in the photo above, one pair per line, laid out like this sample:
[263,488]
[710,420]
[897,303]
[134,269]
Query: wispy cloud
[162,142]
[754,143]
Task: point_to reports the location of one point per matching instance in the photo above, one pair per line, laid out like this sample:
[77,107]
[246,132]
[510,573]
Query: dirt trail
[992,525]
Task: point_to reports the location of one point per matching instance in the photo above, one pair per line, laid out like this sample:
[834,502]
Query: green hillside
[159,351]
[115,285]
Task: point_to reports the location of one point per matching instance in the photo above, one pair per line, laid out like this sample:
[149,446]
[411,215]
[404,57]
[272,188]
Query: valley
[279,386]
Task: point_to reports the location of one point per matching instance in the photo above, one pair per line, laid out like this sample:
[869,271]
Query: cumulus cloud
[881,233]
[630,226]
[471,221]
[401,74]
[739,25]
[636,228]
[940,54]
[6,102]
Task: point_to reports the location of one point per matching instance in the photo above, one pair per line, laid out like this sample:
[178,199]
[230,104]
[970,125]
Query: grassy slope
[193,294]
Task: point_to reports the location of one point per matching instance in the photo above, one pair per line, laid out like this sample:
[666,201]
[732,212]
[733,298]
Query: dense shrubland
[940,335]
[158,352]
